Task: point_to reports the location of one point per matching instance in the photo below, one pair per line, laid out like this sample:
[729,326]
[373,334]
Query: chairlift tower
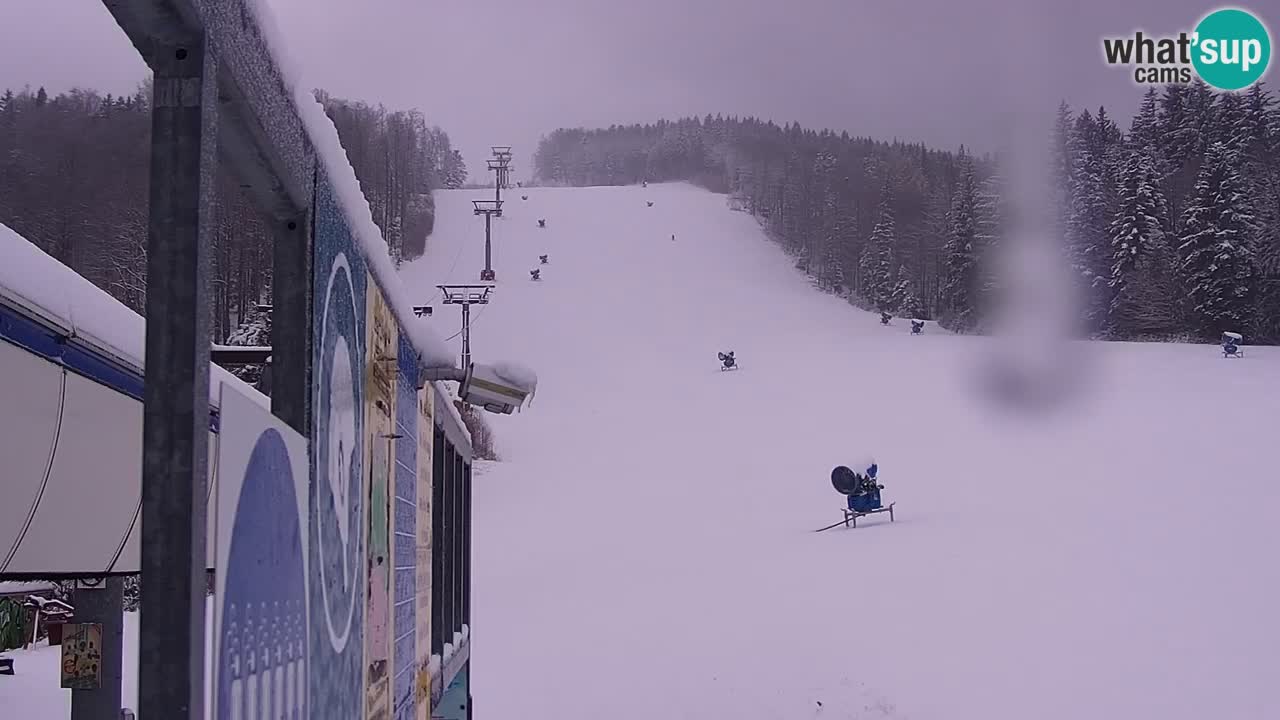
[466,296]
[502,153]
[500,167]
[488,208]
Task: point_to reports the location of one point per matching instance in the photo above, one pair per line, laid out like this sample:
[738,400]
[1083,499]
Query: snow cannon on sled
[862,493]
[542,259]
[535,274]
[917,327]
[1231,343]
[524,197]
[728,361]
[650,203]
[885,318]
[542,223]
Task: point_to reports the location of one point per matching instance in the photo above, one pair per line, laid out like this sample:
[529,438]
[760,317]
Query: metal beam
[438,374]
[291,329]
[232,355]
[152,24]
[251,79]
[175,425]
[262,136]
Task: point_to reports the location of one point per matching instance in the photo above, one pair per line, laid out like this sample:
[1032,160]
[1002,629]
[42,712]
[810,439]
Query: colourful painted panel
[336,554]
[455,704]
[422,641]
[380,379]
[404,536]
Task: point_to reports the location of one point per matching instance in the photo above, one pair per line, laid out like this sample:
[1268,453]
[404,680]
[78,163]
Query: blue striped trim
[55,347]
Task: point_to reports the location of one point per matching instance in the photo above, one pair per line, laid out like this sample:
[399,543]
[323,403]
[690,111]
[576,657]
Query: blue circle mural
[337,525]
[262,654]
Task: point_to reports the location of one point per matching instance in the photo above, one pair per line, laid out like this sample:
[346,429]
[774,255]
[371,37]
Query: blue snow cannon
[861,491]
[867,498]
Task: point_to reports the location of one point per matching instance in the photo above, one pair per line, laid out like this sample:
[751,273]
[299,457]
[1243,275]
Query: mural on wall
[404,536]
[336,554]
[260,591]
[422,604]
[380,374]
[82,656]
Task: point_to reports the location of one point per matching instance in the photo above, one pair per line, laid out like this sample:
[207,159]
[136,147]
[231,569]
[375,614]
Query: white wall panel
[30,402]
[92,493]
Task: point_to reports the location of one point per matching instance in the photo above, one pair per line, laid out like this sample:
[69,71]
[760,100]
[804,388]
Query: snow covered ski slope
[645,549]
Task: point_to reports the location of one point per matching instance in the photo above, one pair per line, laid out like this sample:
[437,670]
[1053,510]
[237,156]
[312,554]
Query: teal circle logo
[1232,49]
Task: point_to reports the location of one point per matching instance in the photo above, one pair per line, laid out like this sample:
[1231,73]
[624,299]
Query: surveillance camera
[498,389]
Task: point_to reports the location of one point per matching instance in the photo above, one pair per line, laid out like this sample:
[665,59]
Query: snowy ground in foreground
[34,693]
[645,550]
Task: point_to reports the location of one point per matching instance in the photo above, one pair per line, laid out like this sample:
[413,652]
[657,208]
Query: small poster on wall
[82,656]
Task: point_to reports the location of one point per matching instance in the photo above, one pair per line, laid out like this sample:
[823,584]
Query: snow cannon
[542,223]
[861,485]
[497,388]
[535,274]
[845,480]
[862,493]
[728,361]
[885,318]
[1231,343]
[542,259]
[524,197]
[650,203]
[917,327]
[644,184]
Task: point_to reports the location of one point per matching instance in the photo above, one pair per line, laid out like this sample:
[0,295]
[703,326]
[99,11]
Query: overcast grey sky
[507,71]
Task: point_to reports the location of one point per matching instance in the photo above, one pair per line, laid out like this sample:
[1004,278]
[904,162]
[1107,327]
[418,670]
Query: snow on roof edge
[329,151]
[65,296]
[445,391]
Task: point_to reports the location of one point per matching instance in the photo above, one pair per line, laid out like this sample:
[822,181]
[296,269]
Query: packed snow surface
[645,550]
[33,692]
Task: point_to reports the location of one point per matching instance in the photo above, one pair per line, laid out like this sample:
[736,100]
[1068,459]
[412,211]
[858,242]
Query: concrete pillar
[105,605]
[175,423]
